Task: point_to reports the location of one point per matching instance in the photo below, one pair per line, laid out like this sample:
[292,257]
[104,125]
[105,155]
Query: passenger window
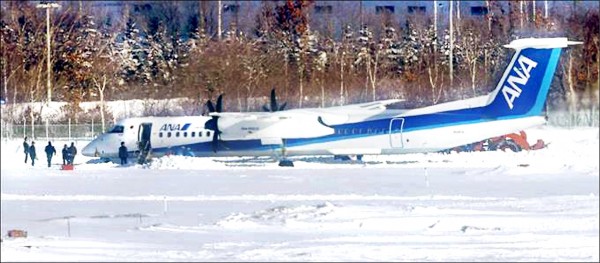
[184,134]
[193,134]
[207,134]
[199,134]
[177,134]
[160,134]
[169,134]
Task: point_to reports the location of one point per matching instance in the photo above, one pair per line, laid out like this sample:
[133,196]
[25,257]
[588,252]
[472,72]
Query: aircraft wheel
[508,144]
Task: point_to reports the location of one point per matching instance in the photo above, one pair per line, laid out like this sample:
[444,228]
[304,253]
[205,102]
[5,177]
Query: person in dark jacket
[26,148]
[32,153]
[50,151]
[72,153]
[65,154]
[123,153]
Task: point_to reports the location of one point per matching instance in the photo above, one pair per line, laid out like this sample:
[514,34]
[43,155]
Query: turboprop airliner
[352,130]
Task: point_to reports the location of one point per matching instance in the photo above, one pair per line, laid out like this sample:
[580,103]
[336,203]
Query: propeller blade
[215,141]
[273,100]
[265,108]
[282,106]
[220,103]
[210,106]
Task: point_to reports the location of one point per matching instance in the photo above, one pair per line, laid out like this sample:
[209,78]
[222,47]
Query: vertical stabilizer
[523,88]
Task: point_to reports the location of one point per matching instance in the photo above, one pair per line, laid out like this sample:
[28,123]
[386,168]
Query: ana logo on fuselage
[174,127]
[513,91]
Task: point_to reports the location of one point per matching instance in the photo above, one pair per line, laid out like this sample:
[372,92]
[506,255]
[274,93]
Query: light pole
[47,6]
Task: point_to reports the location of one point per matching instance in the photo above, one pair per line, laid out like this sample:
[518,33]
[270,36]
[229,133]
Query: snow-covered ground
[483,206]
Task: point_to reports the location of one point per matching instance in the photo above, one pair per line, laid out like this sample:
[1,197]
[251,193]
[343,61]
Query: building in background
[327,17]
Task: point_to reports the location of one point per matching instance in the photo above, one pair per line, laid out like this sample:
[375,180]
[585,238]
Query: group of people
[68,153]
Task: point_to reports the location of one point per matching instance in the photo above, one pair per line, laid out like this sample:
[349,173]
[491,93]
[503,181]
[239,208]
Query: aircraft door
[396,126]
[144,132]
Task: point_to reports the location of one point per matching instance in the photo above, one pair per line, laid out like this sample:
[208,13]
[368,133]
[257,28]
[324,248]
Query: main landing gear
[284,161]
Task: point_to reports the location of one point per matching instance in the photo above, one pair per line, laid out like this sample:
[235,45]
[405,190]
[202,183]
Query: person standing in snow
[72,153]
[123,153]
[32,153]
[65,154]
[26,148]
[50,151]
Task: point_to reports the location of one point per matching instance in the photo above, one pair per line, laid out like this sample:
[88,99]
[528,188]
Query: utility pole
[47,6]
[545,8]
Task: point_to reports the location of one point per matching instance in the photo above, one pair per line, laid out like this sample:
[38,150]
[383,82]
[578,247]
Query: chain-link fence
[52,131]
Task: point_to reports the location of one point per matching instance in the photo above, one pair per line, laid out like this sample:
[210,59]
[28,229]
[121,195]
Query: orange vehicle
[513,141]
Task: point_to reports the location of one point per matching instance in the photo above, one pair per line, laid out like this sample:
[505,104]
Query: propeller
[273,107]
[213,123]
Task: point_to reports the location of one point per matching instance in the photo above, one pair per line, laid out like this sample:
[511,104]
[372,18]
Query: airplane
[355,130]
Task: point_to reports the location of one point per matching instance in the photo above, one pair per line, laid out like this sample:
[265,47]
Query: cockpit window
[117,129]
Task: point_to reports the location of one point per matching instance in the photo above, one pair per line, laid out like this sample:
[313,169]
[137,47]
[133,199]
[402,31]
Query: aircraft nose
[90,149]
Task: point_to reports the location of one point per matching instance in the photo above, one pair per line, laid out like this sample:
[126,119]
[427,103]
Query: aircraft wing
[351,113]
[270,127]
[295,123]
[367,106]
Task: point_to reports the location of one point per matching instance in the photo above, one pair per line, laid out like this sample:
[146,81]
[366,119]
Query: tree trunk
[322,89]
[342,79]
[101,89]
[286,73]
[31,96]
[485,66]
[533,11]
[572,93]
[433,83]
[301,76]
[219,19]
[489,15]
[4,71]
[373,76]
[473,67]
[521,13]
[450,60]
[239,99]
[368,64]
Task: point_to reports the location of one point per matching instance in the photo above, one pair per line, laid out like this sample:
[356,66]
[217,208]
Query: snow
[482,206]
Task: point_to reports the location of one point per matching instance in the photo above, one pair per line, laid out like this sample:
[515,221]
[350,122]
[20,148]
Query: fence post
[69,129]
[47,124]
